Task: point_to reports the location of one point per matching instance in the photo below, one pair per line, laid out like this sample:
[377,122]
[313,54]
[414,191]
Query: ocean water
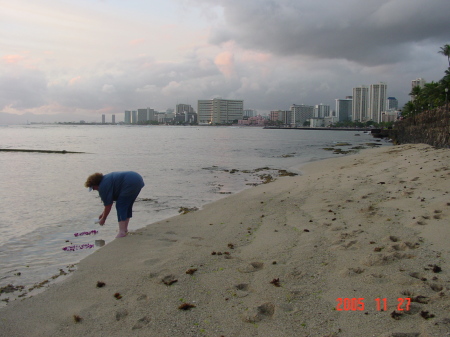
[44,203]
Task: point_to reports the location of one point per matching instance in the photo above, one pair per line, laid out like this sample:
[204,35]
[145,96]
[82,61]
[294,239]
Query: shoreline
[366,226]
[18,289]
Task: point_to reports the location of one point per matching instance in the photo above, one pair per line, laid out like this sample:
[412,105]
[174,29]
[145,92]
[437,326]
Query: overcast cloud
[93,57]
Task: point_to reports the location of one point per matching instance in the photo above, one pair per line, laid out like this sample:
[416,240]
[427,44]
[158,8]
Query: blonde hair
[93,180]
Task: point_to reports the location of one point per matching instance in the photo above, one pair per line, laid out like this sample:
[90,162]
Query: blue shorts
[124,206]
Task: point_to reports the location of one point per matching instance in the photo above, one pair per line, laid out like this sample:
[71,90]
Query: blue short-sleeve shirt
[117,184]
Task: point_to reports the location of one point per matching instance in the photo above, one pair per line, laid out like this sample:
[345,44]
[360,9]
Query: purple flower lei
[85,233]
[77,247]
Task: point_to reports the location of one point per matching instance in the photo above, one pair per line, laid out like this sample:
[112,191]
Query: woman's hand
[104,215]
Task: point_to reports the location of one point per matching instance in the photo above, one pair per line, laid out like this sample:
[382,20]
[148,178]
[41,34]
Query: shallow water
[44,201]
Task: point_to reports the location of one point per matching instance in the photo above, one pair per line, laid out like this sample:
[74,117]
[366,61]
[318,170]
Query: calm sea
[44,202]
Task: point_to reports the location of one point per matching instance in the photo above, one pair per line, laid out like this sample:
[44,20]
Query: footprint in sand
[151,261]
[142,297]
[352,271]
[403,246]
[436,287]
[141,323]
[381,260]
[252,267]
[121,314]
[259,313]
[169,280]
[242,286]
[241,290]
[418,276]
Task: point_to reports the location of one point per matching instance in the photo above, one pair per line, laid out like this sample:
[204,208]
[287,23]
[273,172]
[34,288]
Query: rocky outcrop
[428,127]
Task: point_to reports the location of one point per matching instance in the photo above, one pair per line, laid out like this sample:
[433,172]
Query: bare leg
[126,225]
[122,229]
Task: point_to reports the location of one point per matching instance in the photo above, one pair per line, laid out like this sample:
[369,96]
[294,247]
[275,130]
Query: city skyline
[94,57]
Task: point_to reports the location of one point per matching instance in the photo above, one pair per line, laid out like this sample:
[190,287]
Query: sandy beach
[356,246]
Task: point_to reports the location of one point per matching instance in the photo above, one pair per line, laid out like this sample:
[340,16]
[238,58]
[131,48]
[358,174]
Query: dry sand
[274,260]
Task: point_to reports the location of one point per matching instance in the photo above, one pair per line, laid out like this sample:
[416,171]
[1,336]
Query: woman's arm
[104,215]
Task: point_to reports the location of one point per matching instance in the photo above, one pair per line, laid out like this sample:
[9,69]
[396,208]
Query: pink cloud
[136,42]
[74,80]
[225,62]
[250,56]
[107,110]
[12,58]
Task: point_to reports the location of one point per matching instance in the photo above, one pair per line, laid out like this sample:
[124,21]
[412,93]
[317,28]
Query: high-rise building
[219,111]
[249,113]
[151,115]
[185,113]
[133,117]
[113,119]
[360,106]
[391,103]
[145,115]
[419,82]
[377,101]
[344,109]
[127,118]
[142,115]
[301,113]
[103,119]
[182,108]
[321,110]
[284,116]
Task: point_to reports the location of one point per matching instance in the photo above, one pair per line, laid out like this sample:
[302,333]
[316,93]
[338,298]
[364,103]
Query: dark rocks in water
[10,288]
[39,151]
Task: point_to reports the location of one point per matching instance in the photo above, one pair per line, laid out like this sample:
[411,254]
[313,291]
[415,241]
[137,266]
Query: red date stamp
[381,304]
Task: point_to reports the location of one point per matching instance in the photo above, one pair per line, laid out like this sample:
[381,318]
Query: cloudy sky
[96,57]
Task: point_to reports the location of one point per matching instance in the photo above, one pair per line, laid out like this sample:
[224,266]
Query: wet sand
[357,246]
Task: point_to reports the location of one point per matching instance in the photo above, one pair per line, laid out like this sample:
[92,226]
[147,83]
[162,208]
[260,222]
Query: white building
[390,115]
[249,113]
[418,82]
[321,110]
[360,107]
[300,114]
[377,101]
[219,111]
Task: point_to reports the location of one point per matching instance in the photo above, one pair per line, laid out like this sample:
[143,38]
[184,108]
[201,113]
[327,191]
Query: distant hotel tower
[360,105]
[321,110]
[300,114]
[219,111]
[185,113]
[103,119]
[127,118]
[344,109]
[249,113]
[419,82]
[391,103]
[377,101]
